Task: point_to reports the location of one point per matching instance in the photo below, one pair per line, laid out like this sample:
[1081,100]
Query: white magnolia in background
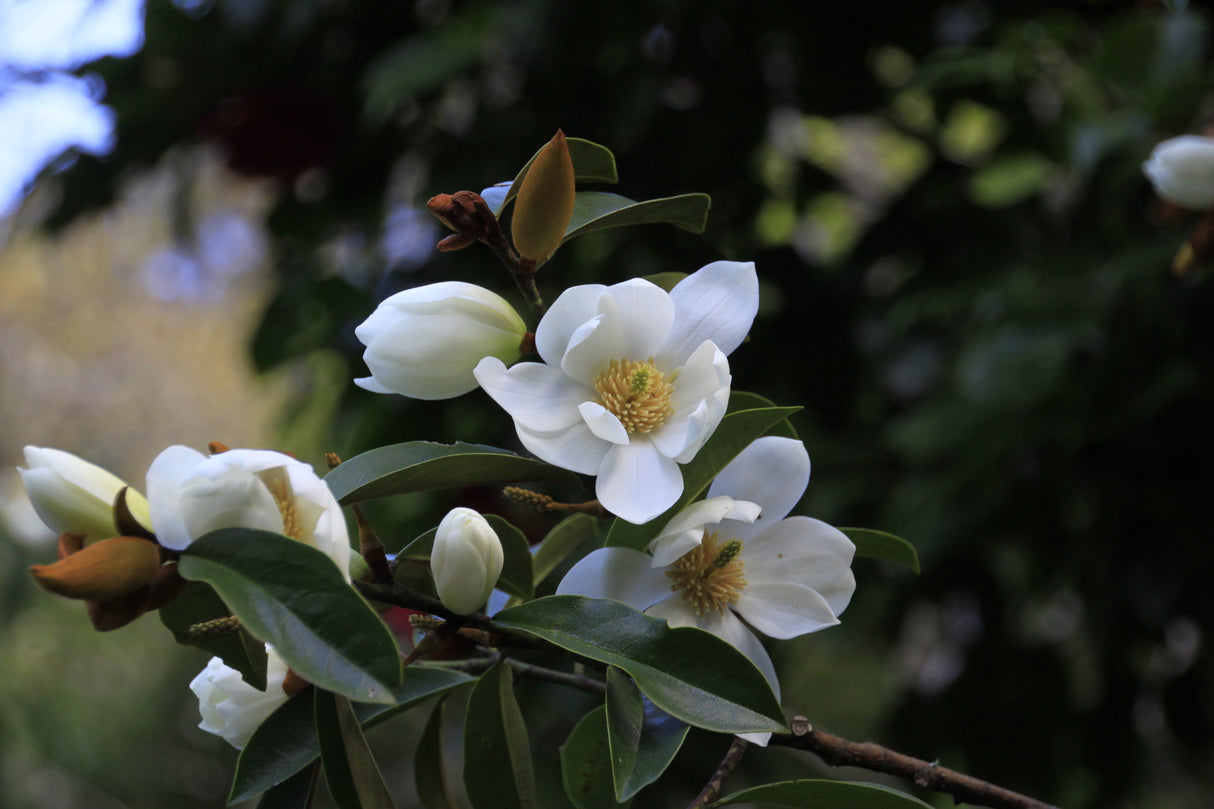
[424,342]
[735,561]
[232,708]
[1182,171]
[466,560]
[634,381]
[72,495]
[190,494]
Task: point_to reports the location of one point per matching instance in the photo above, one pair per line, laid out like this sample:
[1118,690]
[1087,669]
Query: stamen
[637,393]
[278,483]
[710,576]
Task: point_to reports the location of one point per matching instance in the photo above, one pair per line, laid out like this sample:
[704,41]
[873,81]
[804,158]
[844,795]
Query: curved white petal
[700,397]
[568,312]
[574,448]
[805,551]
[772,471]
[538,397]
[165,476]
[686,530]
[784,609]
[603,423]
[621,574]
[633,320]
[718,302]
[371,384]
[637,483]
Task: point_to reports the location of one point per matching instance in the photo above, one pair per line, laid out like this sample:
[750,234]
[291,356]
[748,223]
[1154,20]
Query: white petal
[567,314]
[637,483]
[700,397]
[772,472]
[686,530]
[805,551]
[574,448]
[538,397]
[369,383]
[718,302]
[784,609]
[603,423]
[621,574]
[633,320]
[165,476]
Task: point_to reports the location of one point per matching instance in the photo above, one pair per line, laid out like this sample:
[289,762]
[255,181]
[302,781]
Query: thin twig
[840,752]
[567,678]
[728,764]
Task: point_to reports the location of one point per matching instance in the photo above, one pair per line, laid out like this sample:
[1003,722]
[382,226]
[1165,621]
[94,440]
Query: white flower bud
[1182,171]
[232,708]
[424,342]
[466,560]
[70,494]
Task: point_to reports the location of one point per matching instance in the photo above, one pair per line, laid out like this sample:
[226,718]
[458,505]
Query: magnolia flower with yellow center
[735,562]
[633,381]
[190,494]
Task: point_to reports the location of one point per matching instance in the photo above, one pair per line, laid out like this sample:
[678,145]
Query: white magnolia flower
[191,494]
[1182,171]
[753,568]
[70,494]
[634,381]
[424,342]
[232,708]
[466,560]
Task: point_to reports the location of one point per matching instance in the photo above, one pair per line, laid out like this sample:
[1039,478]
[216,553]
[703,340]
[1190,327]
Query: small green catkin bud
[527,497]
[215,628]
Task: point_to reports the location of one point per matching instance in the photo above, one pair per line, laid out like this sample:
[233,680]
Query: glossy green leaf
[354,779]
[814,794]
[644,739]
[564,537]
[199,603]
[599,210]
[745,400]
[733,435]
[881,545]
[285,742]
[497,752]
[293,597]
[419,466]
[293,793]
[592,163]
[428,769]
[586,763]
[688,673]
[516,578]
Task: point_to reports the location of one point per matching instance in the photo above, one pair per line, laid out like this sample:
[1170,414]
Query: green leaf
[688,673]
[293,793]
[644,739]
[814,794]
[881,545]
[733,435]
[564,537]
[428,769]
[497,752]
[592,163]
[285,742]
[292,596]
[420,466]
[586,763]
[745,400]
[599,210]
[516,578]
[354,779]
[199,603]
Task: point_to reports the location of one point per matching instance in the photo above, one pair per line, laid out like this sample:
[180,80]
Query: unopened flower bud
[232,708]
[72,495]
[424,342]
[545,202]
[1182,171]
[466,560]
[107,569]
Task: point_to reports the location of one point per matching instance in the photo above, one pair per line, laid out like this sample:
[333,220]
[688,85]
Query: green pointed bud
[466,560]
[545,202]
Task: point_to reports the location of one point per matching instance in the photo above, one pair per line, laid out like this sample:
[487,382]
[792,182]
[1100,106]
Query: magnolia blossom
[424,342]
[748,565]
[634,381]
[466,560]
[191,494]
[1182,171]
[72,495]
[232,708]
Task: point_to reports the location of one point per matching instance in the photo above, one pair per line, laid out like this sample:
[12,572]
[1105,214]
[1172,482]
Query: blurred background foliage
[965,282]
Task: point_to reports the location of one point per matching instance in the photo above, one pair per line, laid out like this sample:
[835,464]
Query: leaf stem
[728,764]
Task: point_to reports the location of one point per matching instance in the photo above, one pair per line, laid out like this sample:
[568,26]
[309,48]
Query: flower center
[711,576]
[635,392]
[278,483]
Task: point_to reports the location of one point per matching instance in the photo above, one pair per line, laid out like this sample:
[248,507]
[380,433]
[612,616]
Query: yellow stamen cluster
[278,483]
[637,393]
[710,576]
